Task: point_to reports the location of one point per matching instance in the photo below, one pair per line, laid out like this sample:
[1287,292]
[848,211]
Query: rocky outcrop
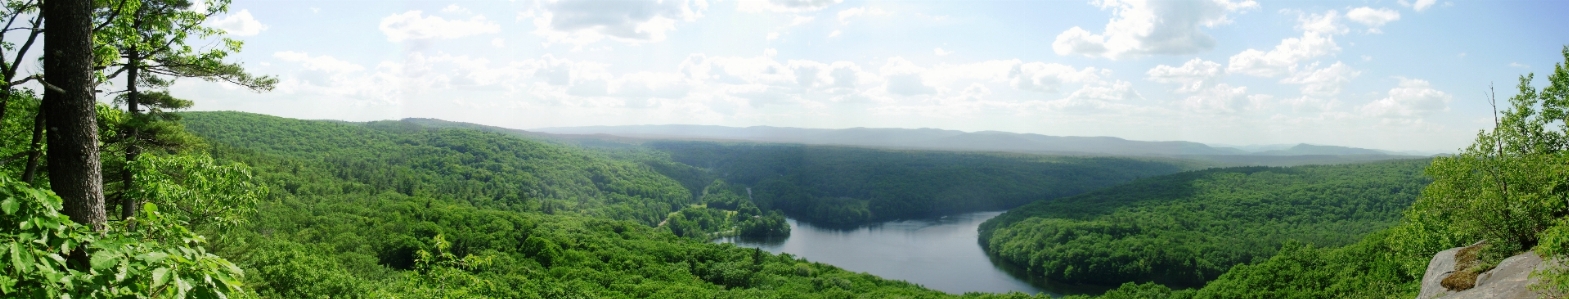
[1510,279]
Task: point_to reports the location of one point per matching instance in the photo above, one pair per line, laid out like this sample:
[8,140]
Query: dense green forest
[121,198]
[487,170]
[1505,190]
[1190,227]
[840,186]
[349,231]
[325,225]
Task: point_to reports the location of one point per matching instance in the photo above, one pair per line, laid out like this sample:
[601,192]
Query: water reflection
[939,253]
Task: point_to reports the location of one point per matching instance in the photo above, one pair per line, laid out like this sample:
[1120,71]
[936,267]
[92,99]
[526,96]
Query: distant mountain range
[938,139]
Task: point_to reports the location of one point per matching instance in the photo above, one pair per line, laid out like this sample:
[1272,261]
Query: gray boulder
[1510,279]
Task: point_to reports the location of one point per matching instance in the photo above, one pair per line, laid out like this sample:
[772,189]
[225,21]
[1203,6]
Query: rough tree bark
[70,109]
[133,148]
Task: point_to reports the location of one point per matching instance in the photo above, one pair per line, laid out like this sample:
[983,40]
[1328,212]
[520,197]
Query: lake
[940,253]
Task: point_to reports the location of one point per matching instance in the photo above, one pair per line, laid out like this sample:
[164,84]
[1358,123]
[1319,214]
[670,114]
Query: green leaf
[9,205]
[153,257]
[16,258]
[160,276]
[104,260]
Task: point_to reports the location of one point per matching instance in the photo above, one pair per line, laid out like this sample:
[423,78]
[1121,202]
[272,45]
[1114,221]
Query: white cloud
[1322,82]
[941,52]
[498,42]
[1518,65]
[1048,77]
[318,63]
[240,24]
[1317,40]
[845,15]
[1221,98]
[1193,75]
[1311,105]
[454,8]
[1412,99]
[784,5]
[1419,5]
[582,22]
[1098,97]
[413,25]
[975,92]
[846,74]
[904,78]
[801,20]
[834,34]
[1373,18]
[1142,27]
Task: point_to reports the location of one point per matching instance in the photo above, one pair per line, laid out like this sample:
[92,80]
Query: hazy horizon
[1392,75]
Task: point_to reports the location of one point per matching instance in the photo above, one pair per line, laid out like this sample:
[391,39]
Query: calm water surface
[940,253]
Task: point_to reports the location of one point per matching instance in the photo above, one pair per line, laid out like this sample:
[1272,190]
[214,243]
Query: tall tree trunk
[74,170]
[133,147]
[33,152]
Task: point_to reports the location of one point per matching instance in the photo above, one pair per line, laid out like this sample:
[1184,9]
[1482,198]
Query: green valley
[779,149]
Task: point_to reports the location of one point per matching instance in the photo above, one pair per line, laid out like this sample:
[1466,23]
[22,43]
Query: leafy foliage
[334,225]
[1507,188]
[724,212]
[161,258]
[484,169]
[1190,227]
[1510,187]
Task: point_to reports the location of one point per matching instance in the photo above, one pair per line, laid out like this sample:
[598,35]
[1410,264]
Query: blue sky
[1397,75]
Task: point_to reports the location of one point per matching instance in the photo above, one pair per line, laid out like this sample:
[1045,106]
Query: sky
[1408,75]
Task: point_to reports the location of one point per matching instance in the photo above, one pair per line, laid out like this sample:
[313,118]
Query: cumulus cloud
[1091,98]
[1141,27]
[1318,31]
[318,63]
[454,8]
[846,75]
[240,24]
[1220,98]
[414,25]
[388,83]
[785,5]
[1372,18]
[1048,77]
[1324,81]
[1419,5]
[1192,76]
[847,14]
[1412,99]
[582,22]
[975,92]
[904,78]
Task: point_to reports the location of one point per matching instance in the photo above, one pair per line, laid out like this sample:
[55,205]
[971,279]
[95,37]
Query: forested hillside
[1190,227]
[852,186]
[1505,191]
[334,226]
[485,169]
